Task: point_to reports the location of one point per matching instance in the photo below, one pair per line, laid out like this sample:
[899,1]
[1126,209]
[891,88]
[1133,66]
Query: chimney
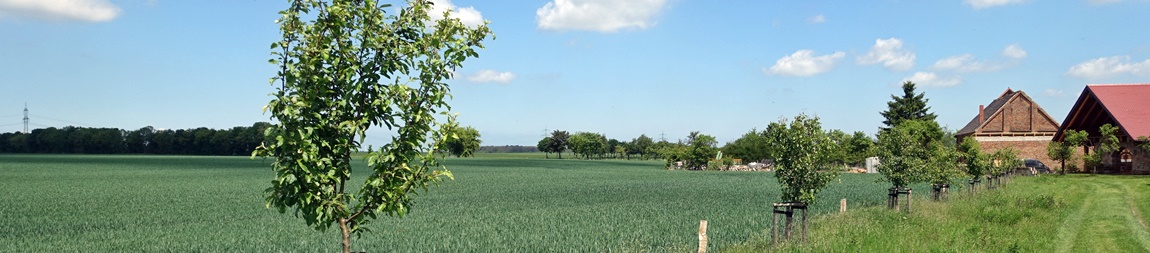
[981,118]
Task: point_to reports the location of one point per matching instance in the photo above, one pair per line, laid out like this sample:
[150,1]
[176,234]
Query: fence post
[843,205]
[703,236]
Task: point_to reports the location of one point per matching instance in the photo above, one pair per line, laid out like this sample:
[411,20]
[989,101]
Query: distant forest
[508,149]
[237,141]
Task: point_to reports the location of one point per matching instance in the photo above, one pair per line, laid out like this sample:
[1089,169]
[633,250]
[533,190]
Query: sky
[662,68]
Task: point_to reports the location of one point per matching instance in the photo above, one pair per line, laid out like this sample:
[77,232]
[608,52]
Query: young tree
[752,146]
[545,146]
[1145,145]
[1060,151]
[1003,161]
[700,149]
[910,106]
[942,168]
[559,142]
[347,66]
[641,146]
[800,155]
[1107,144]
[463,141]
[976,164]
[906,150]
[588,144]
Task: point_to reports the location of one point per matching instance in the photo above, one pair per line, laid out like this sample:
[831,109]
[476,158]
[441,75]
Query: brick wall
[1035,149]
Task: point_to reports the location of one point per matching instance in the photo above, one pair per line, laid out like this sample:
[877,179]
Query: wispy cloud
[1053,93]
[1109,66]
[966,63]
[1014,51]
[58,10]
[804,63]
[598,15]
[981,4]
[818,19]
[491,76]
[890,54]
[930,79]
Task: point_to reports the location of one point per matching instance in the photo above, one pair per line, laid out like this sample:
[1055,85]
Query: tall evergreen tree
[910,106]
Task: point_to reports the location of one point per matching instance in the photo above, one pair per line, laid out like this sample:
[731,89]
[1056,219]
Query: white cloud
[804,63]
[598,15]
[965,63]
[491,76]
[1052,93]
[80,10]
[818,19]
[467,15]
[1109,66]
[980,4]
[1014,51]
[889,52]
[932,80]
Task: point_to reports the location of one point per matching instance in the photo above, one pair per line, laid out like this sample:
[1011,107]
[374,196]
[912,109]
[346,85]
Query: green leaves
[909,151]
[332,57]
[800,150]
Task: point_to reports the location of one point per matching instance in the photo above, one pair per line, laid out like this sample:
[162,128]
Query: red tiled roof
[1129,104]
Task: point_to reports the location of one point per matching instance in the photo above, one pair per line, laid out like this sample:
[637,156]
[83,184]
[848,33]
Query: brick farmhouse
[1013,120]
[1126,106]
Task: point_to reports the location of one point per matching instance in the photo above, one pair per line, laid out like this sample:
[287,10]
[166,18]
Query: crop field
[179,203]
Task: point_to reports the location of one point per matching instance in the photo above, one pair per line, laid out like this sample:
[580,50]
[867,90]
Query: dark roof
[1124,104]
[987,112]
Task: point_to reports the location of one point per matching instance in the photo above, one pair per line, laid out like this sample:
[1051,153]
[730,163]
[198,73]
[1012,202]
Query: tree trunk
[346,233]
[1063,167]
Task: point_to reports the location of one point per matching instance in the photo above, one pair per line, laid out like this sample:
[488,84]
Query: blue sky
[621,68]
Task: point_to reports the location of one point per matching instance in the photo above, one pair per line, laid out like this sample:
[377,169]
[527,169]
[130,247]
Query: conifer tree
[910,106]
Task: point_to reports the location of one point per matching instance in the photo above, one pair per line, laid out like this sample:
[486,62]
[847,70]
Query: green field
[497,203]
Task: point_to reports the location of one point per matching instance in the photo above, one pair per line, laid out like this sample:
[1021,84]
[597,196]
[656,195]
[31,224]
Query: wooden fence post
[703,236]
[843,205]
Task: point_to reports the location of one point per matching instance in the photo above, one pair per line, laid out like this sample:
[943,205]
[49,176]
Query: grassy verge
[1076,213]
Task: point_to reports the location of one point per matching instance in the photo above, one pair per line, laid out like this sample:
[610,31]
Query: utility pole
[25,117]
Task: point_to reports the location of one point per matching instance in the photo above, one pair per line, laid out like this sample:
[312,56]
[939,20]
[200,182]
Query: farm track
[1107,221]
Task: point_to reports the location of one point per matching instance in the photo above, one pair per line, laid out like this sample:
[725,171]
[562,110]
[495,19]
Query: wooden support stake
[804,238]
[909,197]
[775,227]
[843,205]
[703,236]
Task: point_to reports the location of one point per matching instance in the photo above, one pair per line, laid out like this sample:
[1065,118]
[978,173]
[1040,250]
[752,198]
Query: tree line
[236,141]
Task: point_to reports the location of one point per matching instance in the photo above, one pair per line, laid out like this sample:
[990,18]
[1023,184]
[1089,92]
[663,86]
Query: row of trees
[240,140]
[588,145]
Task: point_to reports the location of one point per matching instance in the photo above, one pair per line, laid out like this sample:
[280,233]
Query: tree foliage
[1004,160]
[587,144]
[909,106]
[906,151]
[701,148]
[752,146]
[544,146]
[640,146]
[1108,143]
[1065,149]
[238,140]
[347,66]
[976,162]
[558,142]
[462,141]
[800,154]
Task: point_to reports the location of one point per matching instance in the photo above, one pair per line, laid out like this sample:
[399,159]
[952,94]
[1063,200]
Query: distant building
[1013,120]
[1126,106]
